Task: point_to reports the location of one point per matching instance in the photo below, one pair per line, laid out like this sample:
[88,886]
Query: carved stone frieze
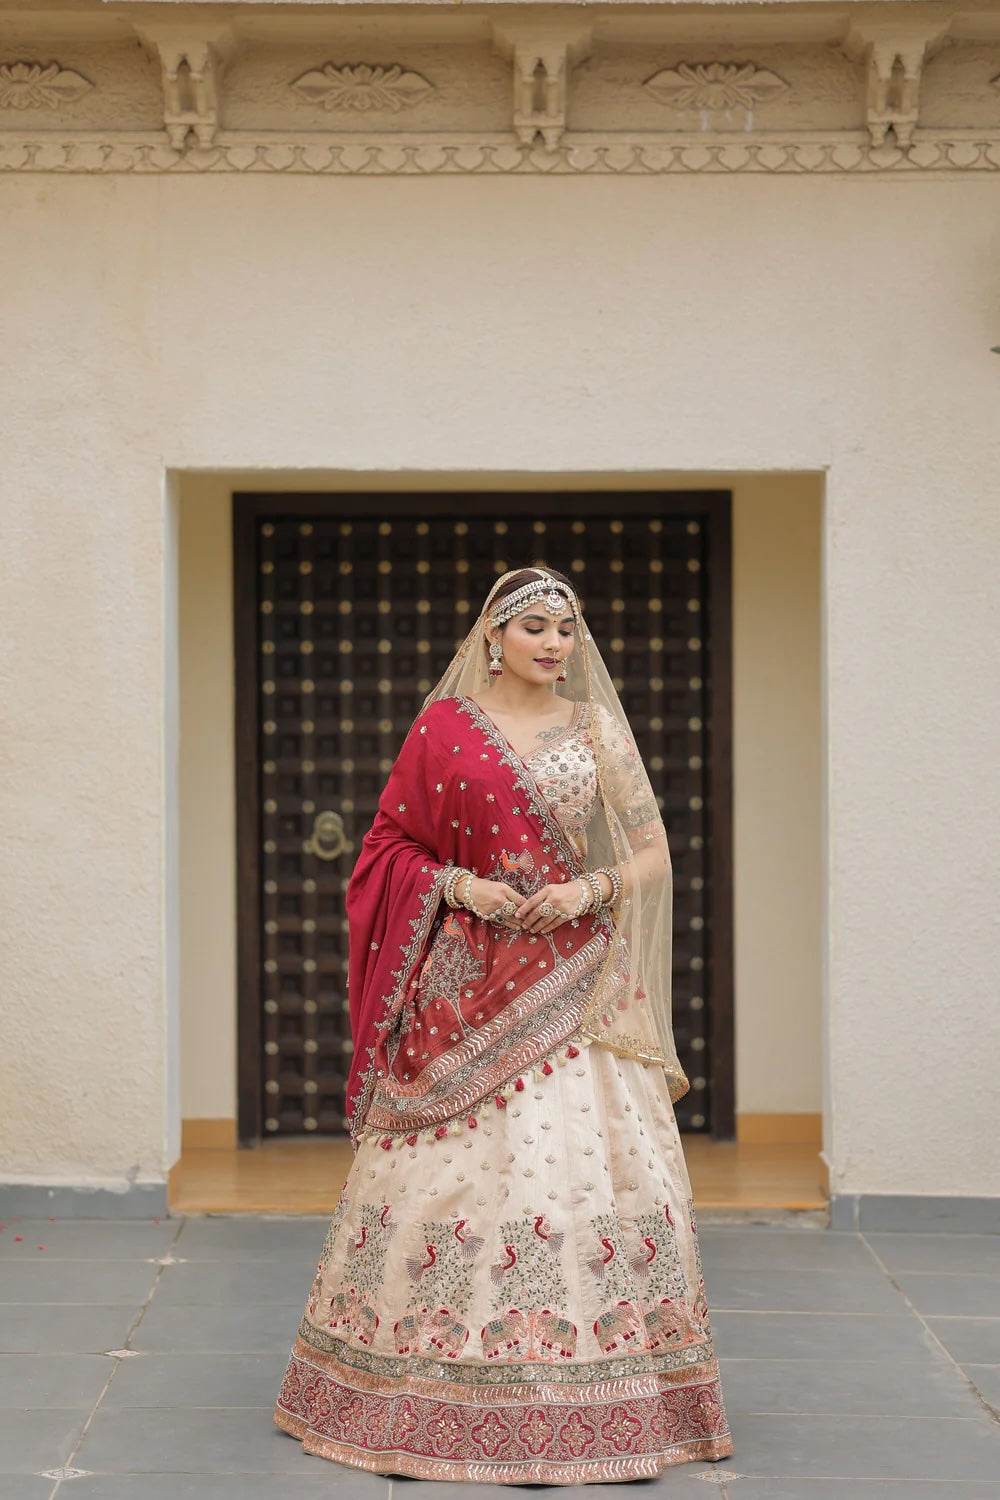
[515,88]
[362,87]
[34,85]
[450,158]
[715,86]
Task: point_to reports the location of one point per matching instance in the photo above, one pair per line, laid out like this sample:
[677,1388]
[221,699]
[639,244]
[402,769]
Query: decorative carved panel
[25,85]
[432,89]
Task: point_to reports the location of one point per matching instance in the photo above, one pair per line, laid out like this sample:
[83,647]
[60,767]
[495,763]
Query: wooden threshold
[304,1176]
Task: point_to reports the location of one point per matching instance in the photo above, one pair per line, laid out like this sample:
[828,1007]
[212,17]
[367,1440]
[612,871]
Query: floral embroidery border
[659,1364]
[610,1428]
[421,924]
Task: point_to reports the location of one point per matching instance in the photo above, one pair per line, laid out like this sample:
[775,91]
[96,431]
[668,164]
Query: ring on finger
[547,909]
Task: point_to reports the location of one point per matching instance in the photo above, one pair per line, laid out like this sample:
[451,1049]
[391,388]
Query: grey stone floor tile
[859,1489]
[326,1482]
[26,1487]
[784,1249]
[974,1341]
[249,1237]
[686,1481]
[751,1335]
[164,1440]
[986,1379]
[970,1294]
[197,1380]
[866,1447]
[844,1387]
[176,1327]
[862,1291]
[87,1239]
[938,1252]
[33,1440]
[41,1380]
[111,1283]
[62,1330]
[240,1281]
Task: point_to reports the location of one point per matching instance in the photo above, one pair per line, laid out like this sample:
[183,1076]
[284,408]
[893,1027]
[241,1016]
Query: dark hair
[528,575]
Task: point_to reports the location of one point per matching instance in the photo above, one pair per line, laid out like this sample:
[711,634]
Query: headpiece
[552,595]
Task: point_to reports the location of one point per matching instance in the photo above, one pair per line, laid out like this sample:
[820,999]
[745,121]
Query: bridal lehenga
[510,1289]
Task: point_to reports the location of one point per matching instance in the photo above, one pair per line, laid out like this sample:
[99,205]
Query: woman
[511,1290]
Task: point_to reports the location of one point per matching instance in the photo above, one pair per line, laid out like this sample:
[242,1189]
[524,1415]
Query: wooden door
[348,608]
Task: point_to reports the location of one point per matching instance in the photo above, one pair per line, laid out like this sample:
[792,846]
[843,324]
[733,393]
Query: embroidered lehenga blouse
[510,1289]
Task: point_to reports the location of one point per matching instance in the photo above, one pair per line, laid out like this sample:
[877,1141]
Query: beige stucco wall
[776,786]
[534,324]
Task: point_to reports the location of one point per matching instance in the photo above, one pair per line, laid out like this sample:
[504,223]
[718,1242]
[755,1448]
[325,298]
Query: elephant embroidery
[418,1332]
[349,1310]
[553,1333]
[667,1323]
[621,1327]
[505,1335]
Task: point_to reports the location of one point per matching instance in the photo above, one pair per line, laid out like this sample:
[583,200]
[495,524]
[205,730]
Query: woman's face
[535,644]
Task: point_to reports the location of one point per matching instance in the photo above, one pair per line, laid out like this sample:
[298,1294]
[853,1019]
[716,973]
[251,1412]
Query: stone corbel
[192,61]
[894,53]
[542,55]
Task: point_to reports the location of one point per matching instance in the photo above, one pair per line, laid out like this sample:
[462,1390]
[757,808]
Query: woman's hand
[489,895]
[565,897]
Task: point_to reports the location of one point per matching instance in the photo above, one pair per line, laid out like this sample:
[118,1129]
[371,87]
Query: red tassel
[572,1051]
[411,1140]
[386,1143]
[473,1122]
[499,1101]
[546,1068]
[519,1085]
[442,1130]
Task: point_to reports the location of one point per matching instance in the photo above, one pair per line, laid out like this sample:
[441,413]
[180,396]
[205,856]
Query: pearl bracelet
[614,875]
[451,880]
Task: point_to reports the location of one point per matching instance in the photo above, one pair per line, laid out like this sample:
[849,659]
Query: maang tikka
[496,659]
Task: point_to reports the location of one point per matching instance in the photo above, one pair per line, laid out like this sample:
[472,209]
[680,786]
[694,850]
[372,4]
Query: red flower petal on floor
[41,1247]
[19,1236]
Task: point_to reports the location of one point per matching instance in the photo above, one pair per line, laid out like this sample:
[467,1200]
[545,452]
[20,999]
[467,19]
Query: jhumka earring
[496,662]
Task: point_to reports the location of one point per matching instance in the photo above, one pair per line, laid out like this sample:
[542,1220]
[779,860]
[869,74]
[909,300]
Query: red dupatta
[448,1010]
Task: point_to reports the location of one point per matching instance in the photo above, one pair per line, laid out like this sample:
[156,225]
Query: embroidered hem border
[628,1428]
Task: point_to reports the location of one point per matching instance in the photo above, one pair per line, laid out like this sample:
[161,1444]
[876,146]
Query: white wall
[776,793]
[540,325]
[207,796]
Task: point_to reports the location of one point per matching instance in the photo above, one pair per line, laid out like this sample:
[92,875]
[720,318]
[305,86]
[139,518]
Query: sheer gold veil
[631,1009]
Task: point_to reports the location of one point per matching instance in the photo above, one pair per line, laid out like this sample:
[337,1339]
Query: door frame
[714,509]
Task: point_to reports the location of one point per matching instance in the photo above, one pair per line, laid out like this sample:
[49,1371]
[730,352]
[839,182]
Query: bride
[511,1290]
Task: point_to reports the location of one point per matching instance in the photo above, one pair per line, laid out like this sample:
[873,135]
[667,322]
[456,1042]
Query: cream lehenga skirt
[516,1301]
